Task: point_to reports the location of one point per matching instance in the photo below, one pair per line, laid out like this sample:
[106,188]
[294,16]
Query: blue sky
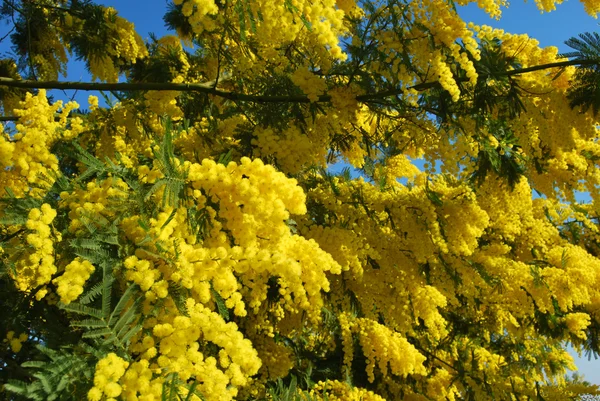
[551,29]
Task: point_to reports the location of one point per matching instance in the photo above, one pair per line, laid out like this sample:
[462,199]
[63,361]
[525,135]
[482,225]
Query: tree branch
[208,87]
[153,86]
[428,85]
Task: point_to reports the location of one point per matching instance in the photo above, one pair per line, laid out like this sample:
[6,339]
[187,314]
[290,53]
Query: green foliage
[221,308]
[496,91]
[173,389]
[174,179]
[585,90]
[502,158]
[290,391]
[63,375]
[109,328]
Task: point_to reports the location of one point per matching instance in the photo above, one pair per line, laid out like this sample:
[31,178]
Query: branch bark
[208,87]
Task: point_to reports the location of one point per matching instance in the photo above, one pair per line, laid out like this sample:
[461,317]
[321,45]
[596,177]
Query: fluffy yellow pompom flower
[311,85]
[38,267]
[108,372]
[389,350]
[28,152]
[70,284]
[130,48]
[93,102]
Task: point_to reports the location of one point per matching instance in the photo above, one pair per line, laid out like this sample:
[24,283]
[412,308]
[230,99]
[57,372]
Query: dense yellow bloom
[108,372]
[165,102]
[577,323]
[85,204]
[27,157]
[38,267]
[130,47]
[311,85]
[388,350]
[335,390]
[70,283]
[249,262]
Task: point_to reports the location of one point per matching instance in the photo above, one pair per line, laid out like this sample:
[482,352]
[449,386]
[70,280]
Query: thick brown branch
[209,88]
[151,86]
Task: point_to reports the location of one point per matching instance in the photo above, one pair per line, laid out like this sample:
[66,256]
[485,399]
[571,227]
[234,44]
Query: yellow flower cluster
[106,378]
[349,7]
[391,262]
[425,302]
[139,383]
[315,26]
[445,76]
[462,234]
[577,322]
[267,196]
[568,280]
[93,102]
[165,102]
[386,348]
[399,166]
[122,130]
[382,347]
[292,148]
[592,7]
[243,357]
[51,58]
[252,213]
[437,20]
[15,342]
[128,49]
[440,387]
[28,155]
[6,149]
[457,221]
[345,105]
[491,7]
[277,359]
[340,391]
[37,268]
[103,69]
[198,12]
[143,273]
[202,140]
[346,327]
[345,246]
[311,84]
[94,199]
[70,283]
[179,351]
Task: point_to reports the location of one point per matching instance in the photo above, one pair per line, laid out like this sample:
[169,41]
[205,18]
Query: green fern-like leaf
[585,88]
[82,310]
[111,328]
[63,376]
[586,46]
[223,311]
[96,290]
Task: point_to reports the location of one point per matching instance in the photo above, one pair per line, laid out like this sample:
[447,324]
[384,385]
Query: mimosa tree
[187,241]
